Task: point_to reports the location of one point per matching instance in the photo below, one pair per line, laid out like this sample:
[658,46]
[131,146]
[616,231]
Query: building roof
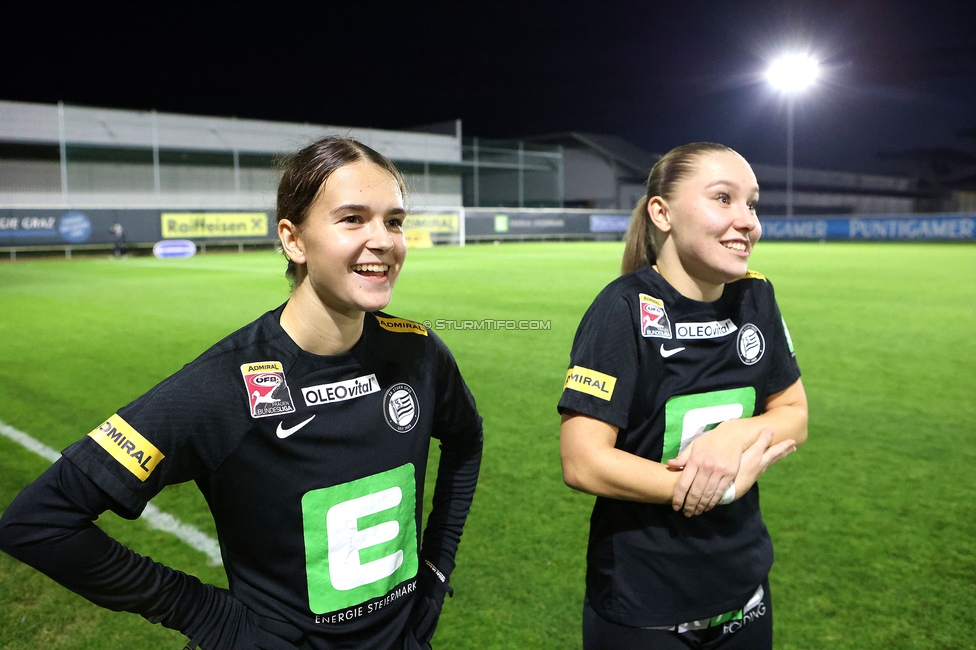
[627,155]
[49,124]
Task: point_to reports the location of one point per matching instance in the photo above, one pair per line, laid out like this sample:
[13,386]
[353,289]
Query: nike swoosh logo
[284,433]
[669,353]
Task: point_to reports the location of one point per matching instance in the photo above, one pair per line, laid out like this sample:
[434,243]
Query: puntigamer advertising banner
[929,226]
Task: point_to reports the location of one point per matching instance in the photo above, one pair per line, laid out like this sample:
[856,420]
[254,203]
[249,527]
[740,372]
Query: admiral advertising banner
[424,229]
[23,228]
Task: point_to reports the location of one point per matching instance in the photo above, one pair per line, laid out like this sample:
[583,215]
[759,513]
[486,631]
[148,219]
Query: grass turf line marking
[153,516]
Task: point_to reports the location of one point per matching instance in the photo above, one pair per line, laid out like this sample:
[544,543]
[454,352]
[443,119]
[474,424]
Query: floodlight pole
[790,74]
[789,155]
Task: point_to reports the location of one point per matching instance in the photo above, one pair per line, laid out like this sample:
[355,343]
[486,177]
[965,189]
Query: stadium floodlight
[791,74]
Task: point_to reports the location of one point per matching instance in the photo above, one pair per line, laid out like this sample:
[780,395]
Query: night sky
[897,75]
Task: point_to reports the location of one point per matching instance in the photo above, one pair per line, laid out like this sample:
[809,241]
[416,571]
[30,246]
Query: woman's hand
[709,463]
[753,462]
[712,460]
[758,458]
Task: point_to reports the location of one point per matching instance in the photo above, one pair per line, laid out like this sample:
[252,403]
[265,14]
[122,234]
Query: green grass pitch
[873,521]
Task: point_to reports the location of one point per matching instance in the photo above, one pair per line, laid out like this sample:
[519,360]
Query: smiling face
[711,225]
[350,248]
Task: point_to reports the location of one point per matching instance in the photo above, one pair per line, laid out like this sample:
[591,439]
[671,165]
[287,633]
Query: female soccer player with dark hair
[307,432]
[682,389]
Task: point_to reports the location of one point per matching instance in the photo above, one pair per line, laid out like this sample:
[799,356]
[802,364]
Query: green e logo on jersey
[368,543]
[688,416]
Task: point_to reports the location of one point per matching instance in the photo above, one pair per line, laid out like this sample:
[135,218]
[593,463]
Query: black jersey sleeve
[50,526]
[604,361]
[457,425]
[784,370]
[178,431]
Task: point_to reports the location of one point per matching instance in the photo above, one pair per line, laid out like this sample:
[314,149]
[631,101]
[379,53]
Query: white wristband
[729,495]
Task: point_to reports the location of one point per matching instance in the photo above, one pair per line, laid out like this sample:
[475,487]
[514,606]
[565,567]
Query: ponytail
[639,241]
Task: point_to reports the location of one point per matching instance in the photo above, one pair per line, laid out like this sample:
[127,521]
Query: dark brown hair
[305,172]
[643,239]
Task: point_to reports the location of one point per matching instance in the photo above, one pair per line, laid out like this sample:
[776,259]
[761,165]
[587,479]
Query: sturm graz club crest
[750,344]
[401,408]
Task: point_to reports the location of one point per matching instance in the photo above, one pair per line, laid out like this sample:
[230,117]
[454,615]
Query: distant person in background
[682,389]
[308,433]
[118,234]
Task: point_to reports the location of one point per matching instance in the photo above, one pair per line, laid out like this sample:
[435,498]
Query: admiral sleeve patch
[401,325]
[127,446]
[590,382]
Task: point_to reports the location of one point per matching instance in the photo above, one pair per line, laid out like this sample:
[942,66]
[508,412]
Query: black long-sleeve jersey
[664,369]
[313,468]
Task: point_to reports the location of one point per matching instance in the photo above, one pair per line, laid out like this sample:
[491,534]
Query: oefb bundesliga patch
[654,321]
[267,390]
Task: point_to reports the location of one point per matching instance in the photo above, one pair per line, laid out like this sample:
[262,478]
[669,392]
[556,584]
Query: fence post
[521,174]
[476,188]
[461,227]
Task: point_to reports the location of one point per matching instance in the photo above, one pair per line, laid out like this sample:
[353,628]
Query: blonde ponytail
[638,242]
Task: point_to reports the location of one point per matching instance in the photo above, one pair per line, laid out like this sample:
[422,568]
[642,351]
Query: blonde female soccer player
[682,389]
[307,432]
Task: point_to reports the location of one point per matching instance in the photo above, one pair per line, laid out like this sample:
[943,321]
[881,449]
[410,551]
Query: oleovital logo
[340,391]
[715,329]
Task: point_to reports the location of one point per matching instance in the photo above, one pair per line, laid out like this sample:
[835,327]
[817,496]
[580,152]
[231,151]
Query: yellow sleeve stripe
[127,446]
[590,382]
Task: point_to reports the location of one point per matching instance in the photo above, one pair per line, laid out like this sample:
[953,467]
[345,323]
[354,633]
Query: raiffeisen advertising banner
[213,225]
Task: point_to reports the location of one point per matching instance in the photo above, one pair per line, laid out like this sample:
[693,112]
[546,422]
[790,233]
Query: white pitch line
[152,515]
